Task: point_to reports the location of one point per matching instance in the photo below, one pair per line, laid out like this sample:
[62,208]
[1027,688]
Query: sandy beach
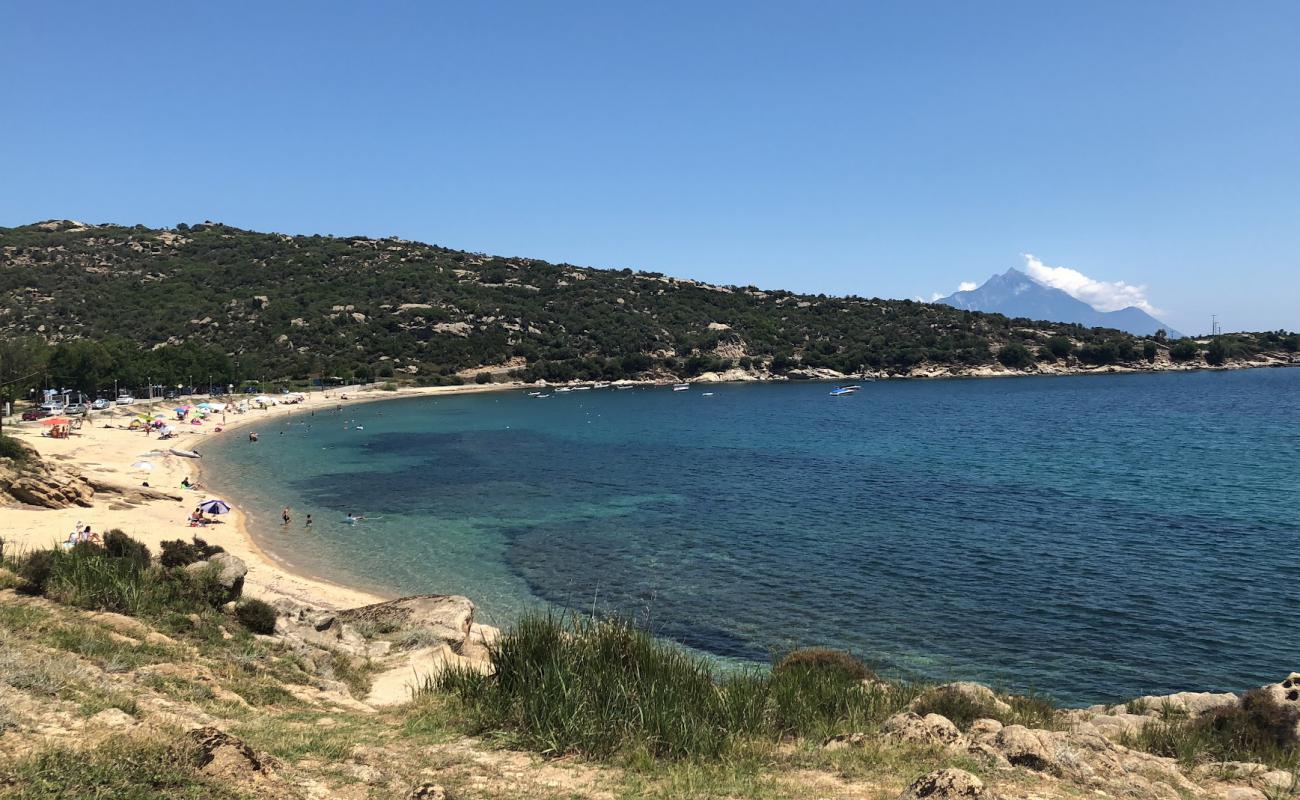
[104,449]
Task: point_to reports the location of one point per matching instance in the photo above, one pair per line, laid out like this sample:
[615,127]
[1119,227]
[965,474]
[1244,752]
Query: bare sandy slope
[105,450]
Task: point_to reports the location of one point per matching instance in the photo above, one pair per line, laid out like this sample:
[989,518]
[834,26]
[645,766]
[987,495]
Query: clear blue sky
[889,149]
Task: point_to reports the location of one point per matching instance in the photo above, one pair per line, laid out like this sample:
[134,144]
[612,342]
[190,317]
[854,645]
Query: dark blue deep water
[1091,538]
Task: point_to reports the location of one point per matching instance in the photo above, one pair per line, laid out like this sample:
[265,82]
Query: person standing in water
[284,515]
[309,520]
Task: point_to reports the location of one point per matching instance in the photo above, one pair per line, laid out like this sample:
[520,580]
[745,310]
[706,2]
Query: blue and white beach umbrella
[214,506]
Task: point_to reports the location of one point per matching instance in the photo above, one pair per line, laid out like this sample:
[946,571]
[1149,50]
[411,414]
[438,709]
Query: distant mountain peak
[1016,294]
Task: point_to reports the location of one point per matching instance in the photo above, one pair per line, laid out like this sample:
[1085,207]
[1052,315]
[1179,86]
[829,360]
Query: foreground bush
[124,768]
[118,545]
[821,659]
[13,449]
[180,553]
[599,687]
[117,577]
[1255,729]
[256,615]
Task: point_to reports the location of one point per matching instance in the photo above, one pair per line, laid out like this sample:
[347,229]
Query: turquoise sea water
[1091,538]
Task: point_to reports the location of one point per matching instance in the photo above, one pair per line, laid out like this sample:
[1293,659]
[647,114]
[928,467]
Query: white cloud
[967,286]
[1101,295]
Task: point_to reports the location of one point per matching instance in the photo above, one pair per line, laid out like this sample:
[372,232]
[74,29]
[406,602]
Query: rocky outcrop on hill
[227,570]
[36,483]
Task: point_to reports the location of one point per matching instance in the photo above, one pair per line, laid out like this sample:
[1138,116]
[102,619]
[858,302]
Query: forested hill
[216,298]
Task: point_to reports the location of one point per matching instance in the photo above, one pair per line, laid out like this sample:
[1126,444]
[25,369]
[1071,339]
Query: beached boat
[601,386]
[176,451]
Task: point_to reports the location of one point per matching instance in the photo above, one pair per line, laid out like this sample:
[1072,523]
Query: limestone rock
[447,617]
[945,784]
[229,571]
[428,791]
[478,644]
[1286,691]
[975,692]
[982,727]
[50,488]
[913,728]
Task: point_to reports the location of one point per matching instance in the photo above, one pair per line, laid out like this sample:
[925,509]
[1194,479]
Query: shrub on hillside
[256,615]
[118,545]
[1015,356]
[1183,350]
[13,449]
[824,660]
[35,571]
[180,553]
[959,707]
[1255,729]
[601,687]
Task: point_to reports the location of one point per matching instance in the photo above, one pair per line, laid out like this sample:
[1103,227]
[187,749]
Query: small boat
[621,387]
[601,385]
[582,388]
[681,387]
[176,451]
[707,394]
[841,391]
[541,396]
[534,394]
[564,389]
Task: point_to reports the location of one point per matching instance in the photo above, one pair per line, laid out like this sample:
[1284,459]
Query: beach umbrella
[55,421]
[205,405]
[142,465]
[181,410]
[214,507]
[166,429]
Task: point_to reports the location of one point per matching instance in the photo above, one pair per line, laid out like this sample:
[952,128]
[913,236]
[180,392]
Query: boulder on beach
[228,570]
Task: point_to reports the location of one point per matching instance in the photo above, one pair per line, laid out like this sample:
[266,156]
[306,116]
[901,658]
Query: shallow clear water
[1091,538]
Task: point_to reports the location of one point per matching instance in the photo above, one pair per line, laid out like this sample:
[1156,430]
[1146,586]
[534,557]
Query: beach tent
[214,507]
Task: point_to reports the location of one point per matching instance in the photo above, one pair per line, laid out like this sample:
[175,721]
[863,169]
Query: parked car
[52,408]
[100,404]
[125,400]
[34,414]
[75,409]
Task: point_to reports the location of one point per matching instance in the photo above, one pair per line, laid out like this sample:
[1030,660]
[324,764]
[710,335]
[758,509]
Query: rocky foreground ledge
[326,706]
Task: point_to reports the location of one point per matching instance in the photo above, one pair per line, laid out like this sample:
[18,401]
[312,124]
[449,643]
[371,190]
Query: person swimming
[353,518]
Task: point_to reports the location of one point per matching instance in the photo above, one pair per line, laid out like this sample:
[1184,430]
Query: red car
[34,413]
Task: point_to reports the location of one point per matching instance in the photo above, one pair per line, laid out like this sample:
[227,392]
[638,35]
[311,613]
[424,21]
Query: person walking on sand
[284,515]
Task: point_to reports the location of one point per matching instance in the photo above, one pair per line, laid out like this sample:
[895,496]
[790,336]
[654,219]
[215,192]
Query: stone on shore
[946,784]
[913,728]
[229,572]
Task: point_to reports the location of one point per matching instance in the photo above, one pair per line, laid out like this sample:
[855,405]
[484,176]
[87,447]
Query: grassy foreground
[570,684]
[574,707]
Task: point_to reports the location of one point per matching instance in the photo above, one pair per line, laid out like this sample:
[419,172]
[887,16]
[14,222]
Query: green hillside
[191,302]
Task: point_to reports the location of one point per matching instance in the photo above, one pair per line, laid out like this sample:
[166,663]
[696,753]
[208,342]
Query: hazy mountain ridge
[1015,294]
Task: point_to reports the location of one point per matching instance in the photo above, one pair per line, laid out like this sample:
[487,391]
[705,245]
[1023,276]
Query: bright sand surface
[107,453]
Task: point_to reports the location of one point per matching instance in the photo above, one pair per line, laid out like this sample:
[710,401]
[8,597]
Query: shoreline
[105,450]
[102,453]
